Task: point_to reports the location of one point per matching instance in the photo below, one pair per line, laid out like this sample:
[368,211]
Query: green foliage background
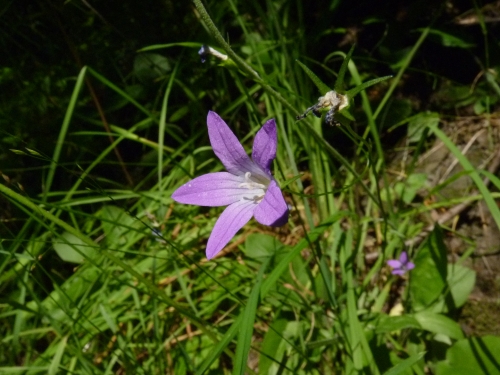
[103,115]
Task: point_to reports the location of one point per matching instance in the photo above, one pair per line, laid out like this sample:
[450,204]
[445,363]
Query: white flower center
[258,185]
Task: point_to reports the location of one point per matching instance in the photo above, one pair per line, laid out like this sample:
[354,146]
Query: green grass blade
[339,83]
[473,173]
[246,328]
[399,75]
[64,130]
[119,91]
[56,360]
[163,124]
[168,45]
[354,91]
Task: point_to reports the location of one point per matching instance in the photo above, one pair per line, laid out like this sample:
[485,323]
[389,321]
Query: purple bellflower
[401,266]
[247,188]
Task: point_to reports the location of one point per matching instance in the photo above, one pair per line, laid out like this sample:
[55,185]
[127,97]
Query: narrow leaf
[339,83]
[246,329]
[355,90]
[56,360]
[322,87]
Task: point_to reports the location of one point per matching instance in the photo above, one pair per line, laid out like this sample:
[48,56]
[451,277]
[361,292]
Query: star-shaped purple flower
[401,266]
[247,188]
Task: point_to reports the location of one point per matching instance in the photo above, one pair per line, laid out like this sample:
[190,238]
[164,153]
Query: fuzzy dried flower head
[333,101]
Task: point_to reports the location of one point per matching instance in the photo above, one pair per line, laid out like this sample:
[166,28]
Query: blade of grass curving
[397,78]
[62,133]
[473,173]
[168,45]
[163,123]
[339,83]
[378,165]
[358,342]
[20,319]
[355,90]
[119,91]
[130,134]
[248,320]
[322,87]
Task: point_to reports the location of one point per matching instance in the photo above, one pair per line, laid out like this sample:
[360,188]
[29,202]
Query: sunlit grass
[108,278]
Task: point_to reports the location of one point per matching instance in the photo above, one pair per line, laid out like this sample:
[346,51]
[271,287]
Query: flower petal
[410,266]
[403,257]
[229,223]
[227,147]
[272,210]
[399,272]
[212,190]
[394,263]
[264,145]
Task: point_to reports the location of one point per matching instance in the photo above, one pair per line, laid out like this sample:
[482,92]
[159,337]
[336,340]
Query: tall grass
[103,278]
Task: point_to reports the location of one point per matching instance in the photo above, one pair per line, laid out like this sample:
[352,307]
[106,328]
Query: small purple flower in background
[247,188]
[402,265]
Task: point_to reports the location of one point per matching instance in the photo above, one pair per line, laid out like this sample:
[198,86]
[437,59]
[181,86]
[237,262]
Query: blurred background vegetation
[139,56]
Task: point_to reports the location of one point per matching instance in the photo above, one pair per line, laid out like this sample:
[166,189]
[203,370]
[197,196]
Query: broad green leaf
[258,245]
[396,323]
[447,39]
[439,324]
[322,87]
[461,281]
[150,66]
[418,123]
[272,345]
[428,279]
[116,224]
[72,249]
[477,355]
[408,189]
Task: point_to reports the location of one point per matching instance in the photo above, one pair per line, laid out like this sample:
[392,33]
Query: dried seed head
[332,100]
